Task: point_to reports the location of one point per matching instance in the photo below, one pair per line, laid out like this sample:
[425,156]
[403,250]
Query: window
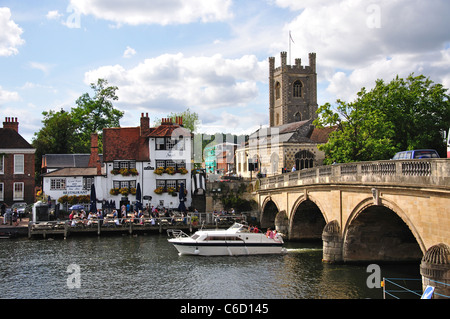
[166,183]
[57,183]
[277,90]
[169,143]
[18,164]
[298,88]
[2,164]
[297,117]
[124,164]
[160,143]
[304,159]
[170,163]
[124,184]
[1,192]
[87,182]
[18,191]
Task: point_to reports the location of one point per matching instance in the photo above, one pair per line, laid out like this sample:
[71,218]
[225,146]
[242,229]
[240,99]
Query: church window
[277,90]
[304,159]
[297,117]
[298,88]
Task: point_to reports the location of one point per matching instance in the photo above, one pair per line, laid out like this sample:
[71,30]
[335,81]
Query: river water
[147,266]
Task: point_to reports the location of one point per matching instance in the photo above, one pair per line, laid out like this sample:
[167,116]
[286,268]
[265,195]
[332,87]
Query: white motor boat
[234,241]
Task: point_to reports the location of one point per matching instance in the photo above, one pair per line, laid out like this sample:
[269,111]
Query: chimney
[94,159]
[145,124]
[11,122]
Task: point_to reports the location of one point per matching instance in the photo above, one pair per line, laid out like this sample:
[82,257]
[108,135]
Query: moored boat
[234,241]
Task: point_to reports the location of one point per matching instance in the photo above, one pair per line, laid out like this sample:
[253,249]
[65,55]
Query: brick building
[16,165]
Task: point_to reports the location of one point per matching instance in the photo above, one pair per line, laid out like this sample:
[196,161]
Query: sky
[210,56]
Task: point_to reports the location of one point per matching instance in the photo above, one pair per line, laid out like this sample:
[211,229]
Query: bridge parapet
[422,172]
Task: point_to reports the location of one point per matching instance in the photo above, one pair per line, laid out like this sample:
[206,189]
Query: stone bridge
[385,211]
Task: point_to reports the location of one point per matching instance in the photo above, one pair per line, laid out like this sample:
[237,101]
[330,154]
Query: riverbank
[11,231]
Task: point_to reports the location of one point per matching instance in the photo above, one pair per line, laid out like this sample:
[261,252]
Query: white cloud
[53,15]
[10,34]
[212,86]
[44,67]
[357,41]
[164,12]
[129,52]
[201,82]
[8,96]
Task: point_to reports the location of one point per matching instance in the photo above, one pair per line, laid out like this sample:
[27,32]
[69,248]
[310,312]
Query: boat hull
[227,249]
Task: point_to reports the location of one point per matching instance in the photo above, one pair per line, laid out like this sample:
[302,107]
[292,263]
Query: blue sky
[207,55]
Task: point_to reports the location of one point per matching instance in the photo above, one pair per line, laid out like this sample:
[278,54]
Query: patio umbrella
[138,197]
[93,207]
[182,197]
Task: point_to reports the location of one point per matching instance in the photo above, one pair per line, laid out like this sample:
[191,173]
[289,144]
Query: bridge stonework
[370,211]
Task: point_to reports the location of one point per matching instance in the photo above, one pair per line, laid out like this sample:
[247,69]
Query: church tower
[293,91]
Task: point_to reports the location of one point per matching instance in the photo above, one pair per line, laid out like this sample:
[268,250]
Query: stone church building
[291,139]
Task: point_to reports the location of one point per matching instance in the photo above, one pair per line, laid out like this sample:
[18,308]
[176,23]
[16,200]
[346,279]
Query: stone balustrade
[429,172]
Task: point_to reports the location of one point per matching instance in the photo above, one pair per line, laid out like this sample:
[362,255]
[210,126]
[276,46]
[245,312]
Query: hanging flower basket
[114,191]
[170,170]
[159,171]
[182,171]
[124,191]
[159,190]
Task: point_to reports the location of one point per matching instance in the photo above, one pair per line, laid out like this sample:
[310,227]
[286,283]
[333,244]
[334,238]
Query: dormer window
[169,143]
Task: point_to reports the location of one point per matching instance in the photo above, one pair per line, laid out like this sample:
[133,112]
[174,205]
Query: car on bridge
[416,154]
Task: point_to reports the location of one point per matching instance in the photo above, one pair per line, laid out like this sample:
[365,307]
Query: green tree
[92,114]
[401,115]
[57,136]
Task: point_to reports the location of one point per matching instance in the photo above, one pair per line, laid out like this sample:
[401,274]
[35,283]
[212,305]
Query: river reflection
[149,267]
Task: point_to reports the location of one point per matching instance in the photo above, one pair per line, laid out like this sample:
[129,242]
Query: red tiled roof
[124,143]
[167,129]
[320,135]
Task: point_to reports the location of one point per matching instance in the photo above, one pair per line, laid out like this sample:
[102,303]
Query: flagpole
[289,47]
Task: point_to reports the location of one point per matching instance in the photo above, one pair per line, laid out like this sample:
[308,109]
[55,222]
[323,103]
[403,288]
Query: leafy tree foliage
[93,114]
[401,115]
[70,132]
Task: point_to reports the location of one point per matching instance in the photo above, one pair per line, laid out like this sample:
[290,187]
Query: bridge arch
[307,220]
[268,213]
[380,232]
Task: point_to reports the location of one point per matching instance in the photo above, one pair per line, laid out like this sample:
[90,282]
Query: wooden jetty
[127,226]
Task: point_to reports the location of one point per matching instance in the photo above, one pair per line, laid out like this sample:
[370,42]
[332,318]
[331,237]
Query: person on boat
[277,236]
[269,233]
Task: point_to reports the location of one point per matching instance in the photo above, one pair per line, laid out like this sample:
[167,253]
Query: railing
[130,224]
[425,172]
[405,288]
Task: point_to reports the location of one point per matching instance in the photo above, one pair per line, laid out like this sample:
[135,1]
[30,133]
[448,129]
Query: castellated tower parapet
[293,90]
